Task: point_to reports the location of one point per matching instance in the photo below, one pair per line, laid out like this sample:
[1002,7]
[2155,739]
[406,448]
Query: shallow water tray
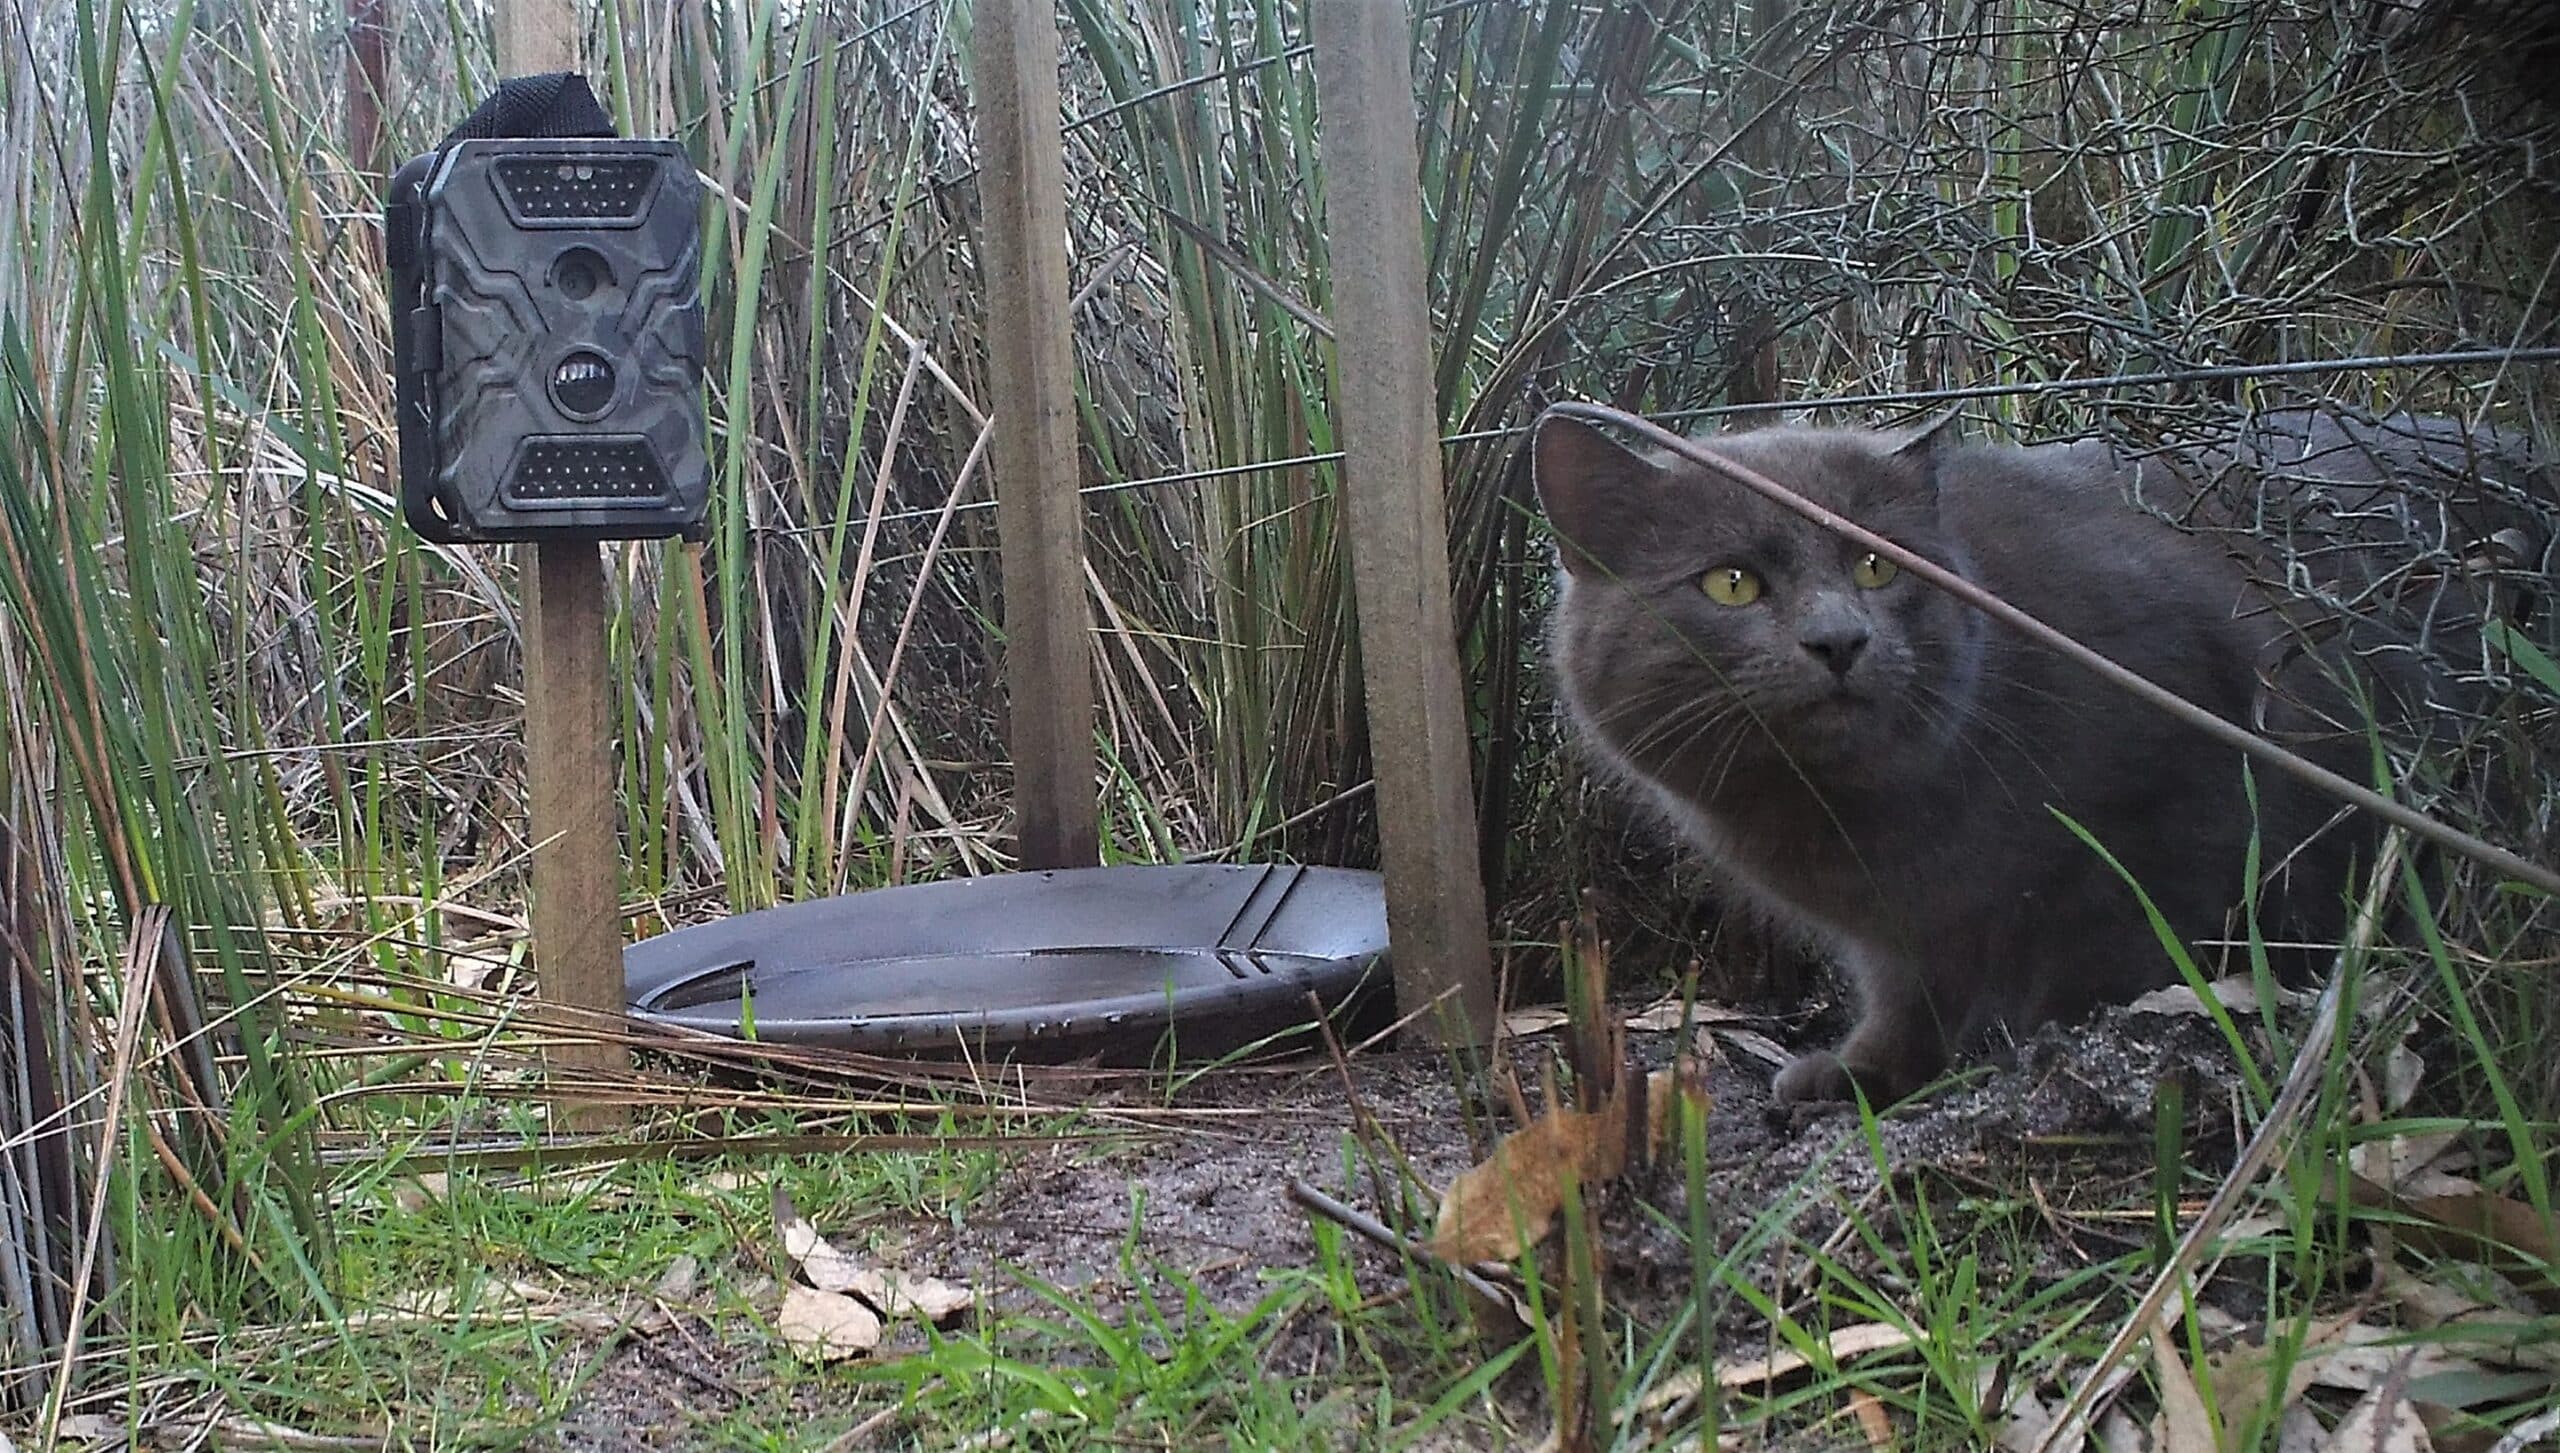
[1069,964]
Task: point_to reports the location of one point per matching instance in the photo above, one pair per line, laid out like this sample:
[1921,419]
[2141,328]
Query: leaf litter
[1621,1118]
[841,1307]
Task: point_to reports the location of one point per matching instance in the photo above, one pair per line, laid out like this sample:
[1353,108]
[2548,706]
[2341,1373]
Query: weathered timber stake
[577,879]
[1389,421]
[1039,516]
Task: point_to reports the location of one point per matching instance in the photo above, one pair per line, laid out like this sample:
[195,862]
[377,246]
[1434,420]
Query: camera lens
[579,272]
[582,384]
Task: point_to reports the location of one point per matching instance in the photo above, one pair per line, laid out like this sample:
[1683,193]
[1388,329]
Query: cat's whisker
[1956,715]
[1653,705]
[1682,717]
[1695,729]
[1679,689]
[1994,672]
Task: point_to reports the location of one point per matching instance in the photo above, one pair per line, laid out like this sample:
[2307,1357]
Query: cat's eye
[1873,571]
[1731,585]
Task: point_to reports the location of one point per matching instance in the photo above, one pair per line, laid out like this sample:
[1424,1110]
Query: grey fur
[1901,811]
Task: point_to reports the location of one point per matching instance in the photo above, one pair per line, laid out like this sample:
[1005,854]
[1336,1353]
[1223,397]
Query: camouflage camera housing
[547,340]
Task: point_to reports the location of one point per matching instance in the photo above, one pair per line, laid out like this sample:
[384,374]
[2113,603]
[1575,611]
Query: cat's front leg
[1897,1046]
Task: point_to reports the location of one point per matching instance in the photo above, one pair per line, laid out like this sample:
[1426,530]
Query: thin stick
[2443,835]
[2096,383]
[2218,373]
[1360,1223]
[1347,794]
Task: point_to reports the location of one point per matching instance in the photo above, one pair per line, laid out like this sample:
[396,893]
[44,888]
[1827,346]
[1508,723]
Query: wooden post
[1039,515]
[368,74]
[1399,534]
[577,879]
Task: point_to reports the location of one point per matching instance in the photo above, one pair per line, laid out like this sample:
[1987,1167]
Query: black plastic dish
[1084,963]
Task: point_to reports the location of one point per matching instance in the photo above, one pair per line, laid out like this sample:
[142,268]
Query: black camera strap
[555,104]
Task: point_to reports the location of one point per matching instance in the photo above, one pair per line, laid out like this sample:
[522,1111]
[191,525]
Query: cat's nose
[1836,643]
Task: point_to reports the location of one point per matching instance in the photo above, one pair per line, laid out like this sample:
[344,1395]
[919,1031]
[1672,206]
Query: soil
[2060,1130]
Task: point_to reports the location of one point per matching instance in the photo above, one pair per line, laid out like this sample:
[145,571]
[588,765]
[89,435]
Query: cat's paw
[1823,1077]
[1814,1078]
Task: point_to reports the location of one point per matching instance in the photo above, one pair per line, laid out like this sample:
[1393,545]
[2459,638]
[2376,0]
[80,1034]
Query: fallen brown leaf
[1522,1023]
[2496,1335]
[2403,1070]
[284,1438]
[2241,1375]
[2117,1433]
[1853,1341]
[1873,1425]
[2345,1354]
[1498,1209]
[899,1294]
[2427,1303]
[2493,1219]
[825,1268]
[1663,1015]
[1509,1203]
[1755,1044]
[824,1326]
[2183,1425]
[2504,1339]
[2497,1231]
[2023,1421]
[2300,1432]
[2235,993]
[2366,1356]
[2384,1422]
[2410,1165]
[2529,1433]
[891,1294]
[606,1320]
[1680,1389]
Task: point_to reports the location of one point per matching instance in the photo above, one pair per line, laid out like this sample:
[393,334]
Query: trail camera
[547,334]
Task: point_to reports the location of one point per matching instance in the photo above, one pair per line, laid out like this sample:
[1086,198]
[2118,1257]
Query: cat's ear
[1594,490]
[1933,437]
[1925,447]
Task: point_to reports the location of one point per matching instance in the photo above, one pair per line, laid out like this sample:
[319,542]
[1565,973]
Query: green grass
[477,1305]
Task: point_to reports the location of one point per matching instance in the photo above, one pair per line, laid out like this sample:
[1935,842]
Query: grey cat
[1879,766]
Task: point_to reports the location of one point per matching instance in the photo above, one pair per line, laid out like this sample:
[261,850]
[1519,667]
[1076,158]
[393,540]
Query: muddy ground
[2058,1133]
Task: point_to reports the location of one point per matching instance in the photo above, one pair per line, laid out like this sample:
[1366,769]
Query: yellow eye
[1873,571]
[1731,585]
